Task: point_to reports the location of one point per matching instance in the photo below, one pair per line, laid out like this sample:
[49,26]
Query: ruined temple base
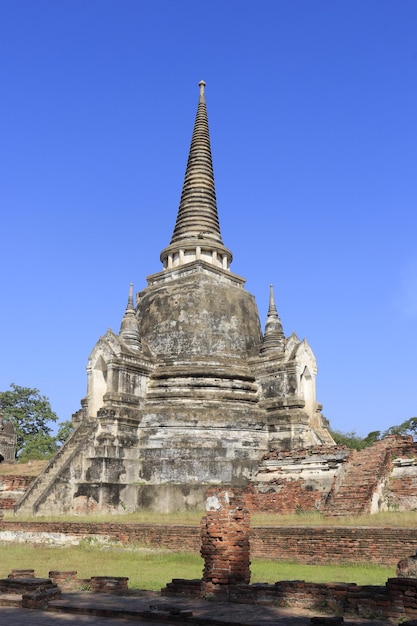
[393,603]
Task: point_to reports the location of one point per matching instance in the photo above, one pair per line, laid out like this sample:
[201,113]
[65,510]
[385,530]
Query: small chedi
[8,441]
[190,392]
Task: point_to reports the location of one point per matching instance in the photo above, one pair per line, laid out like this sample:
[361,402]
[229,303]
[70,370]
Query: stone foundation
[67,581]
[319,478]
[25,585]
[397,600]
[116,585]
[25,582]
[22,573]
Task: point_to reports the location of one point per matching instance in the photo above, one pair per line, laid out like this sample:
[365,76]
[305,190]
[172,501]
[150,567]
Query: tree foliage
[39,446]
[355,441]
[64,431]
[33,417]
[409,427]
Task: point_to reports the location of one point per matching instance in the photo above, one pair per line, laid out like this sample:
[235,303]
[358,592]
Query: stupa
[189,393]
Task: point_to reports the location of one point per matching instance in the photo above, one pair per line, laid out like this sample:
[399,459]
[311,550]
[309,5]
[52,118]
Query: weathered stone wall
[332,479]
[314,545]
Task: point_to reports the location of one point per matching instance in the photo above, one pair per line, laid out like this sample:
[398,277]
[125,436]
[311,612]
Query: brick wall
[296,543]
[11,483]
[317,545]
[285,498]
[11,488]
[178,538]
[395,601]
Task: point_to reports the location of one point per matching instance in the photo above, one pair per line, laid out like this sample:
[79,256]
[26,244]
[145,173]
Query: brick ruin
[12,487]
[338,481]
[225,548]
[226,574]
[36,593]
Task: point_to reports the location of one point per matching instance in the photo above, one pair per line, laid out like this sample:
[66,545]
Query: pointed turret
[274,338]
[197,234]
[129,329]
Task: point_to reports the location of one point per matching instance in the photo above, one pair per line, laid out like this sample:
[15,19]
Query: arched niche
[98,386]
[308,391]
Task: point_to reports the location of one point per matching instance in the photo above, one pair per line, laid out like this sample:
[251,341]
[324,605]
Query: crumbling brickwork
[226,554]
[396,601]
[225,540]
[338,481]
[12,488]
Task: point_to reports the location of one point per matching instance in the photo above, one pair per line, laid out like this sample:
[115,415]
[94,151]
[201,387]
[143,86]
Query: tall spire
[129,329]
[274,338]
[197,230]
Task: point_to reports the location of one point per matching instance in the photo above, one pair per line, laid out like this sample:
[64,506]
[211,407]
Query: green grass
[152,569]
[407,519]
[140,517]
[363,574]
[403,519]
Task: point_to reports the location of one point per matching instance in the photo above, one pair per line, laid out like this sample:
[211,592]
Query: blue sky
[312,110]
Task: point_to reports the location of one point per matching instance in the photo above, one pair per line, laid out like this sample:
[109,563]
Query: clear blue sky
[312,108]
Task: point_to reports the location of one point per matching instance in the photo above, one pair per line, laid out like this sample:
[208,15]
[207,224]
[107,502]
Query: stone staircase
[353,490]
[38,490]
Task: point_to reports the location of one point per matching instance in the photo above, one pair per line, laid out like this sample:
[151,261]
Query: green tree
[409,427]
[355,441]
[64,431]
[32,416]
[39,446]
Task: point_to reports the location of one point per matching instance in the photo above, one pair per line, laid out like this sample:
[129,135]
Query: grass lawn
[152,569]
[406,519]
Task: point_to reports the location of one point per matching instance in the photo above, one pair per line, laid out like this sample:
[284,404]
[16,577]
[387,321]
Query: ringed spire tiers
[197,233]
[129,329]
[274,338]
